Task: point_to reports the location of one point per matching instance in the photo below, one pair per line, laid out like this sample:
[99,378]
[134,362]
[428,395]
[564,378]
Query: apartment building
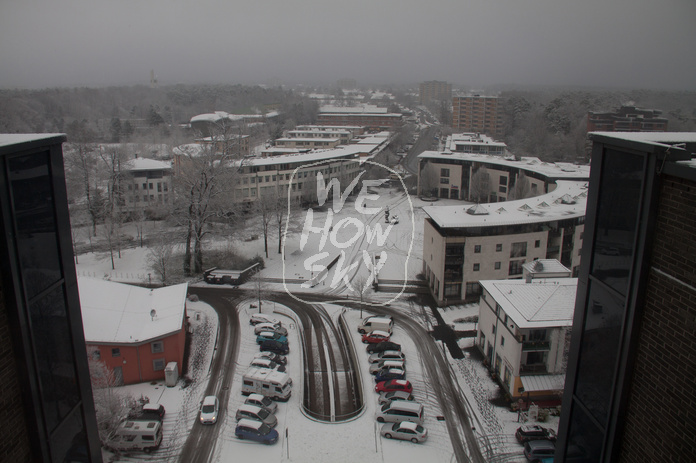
[343,135]
[434,90]
[464,244]
[627,119]
[309,142]
[489,178]
[147,185]
[629,393]
[478,114]
[524,334]
[474,143]
[368,116]
[48,411]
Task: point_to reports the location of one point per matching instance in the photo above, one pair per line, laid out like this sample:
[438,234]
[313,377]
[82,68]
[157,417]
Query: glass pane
[69,442]
[598,353]
[617,215]
[584,439]
[54,356]
[37,241]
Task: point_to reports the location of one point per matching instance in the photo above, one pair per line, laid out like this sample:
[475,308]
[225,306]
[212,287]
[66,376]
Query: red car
[394,385]
[375,337]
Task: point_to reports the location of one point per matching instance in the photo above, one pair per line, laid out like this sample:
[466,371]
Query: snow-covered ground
[301,438]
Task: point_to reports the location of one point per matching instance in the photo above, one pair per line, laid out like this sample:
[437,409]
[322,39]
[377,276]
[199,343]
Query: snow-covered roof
[117,313]
[373,139]
[542,267]
[302,158]
[146,164]
[534,383]
[362,109]
[541,303]
[16,138]
[307,139]
[542,208]
[220,115]
[471,139]
[558,170]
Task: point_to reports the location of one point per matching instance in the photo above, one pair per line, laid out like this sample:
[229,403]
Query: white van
[373,323]
[138,435]
[271,383]
[400,410]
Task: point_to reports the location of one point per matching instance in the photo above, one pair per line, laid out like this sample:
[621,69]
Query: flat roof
[304,158]
[146,164]
[538,304]
[567,201]
[558,170]
[117,313]
[472,139]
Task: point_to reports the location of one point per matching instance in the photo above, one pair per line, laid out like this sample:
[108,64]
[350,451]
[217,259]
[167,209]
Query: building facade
[434,90]
[48,411]
[627,119]
[524,335]
[134,331]
[147,185]
[372,118]
[629,393]
[477,114]
[463,245]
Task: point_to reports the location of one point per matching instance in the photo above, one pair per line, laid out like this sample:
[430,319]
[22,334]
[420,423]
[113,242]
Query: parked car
[390,373]
[262,401]
[375,337]
[148,412]
[254,412]
[394,385]
[265,363]
[271,345]
[280,329]
[382,346]
[401,410]
[536,450]
[209,410]
[262,318]
[389,363]
[405,431]
[386,355]
[256,431]
[385,397]
[264,335]
[528,432]
[280,359]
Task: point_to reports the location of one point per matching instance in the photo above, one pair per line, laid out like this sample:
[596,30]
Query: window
[503,181]
[497,265]
[144,186]
[157,347]
[151,186]
[116,352]
[493,329]
[502,340]
[518,249]
[537,243]
[159,187]
[502,189]
[444,181]
[158,364]
[515,267]
[476,267]
[477,248]
[444,172]
[253,179]
[498,247]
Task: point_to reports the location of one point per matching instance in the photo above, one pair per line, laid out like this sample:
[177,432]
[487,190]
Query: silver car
[253,412]
[375,367]
[386,355]
[261,401]
[385,397]
[405,430]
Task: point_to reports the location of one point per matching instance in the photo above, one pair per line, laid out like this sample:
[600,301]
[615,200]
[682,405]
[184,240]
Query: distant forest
[550,124]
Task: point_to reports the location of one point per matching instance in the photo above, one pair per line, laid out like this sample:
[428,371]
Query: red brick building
[135,331]
[477,114]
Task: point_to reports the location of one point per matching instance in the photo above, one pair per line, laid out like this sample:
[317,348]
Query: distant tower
[153,79]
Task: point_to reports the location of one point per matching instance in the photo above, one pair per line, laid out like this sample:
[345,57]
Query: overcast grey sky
[615,43]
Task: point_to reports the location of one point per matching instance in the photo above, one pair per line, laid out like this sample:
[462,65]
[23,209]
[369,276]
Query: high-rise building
[48,411]
[434,90]
[627,119]
[630,389]
[477,114]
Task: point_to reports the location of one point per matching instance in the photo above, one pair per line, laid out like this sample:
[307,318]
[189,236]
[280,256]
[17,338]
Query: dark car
[529,432]
[389,373]
[148,412]
[382,346]
[271,345]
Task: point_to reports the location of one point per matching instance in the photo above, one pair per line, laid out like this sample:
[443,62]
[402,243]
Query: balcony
[533,369]
[536,346]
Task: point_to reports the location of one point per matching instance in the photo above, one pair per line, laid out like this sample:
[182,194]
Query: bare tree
[160,257]
[111,407]
[522,189]
[265,206]
[429,180]
[480,186]
[259,286]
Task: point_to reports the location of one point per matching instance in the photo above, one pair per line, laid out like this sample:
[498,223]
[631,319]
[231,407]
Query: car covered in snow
[386,355]
[254,412]
[262,401]
[382,346]
[529,432]
[280,359]
[388,363]
[257,318]
[394,385]
[390,373]
[375,337]
[256,430]
[264,335]
[405,430]
[265,363]
[280,329]
[385,397]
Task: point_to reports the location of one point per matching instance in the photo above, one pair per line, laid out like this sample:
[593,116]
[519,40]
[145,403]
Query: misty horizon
[481,44]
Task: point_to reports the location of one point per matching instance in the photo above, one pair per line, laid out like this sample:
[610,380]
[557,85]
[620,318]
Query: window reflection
[604,315]
[53,347]
[617,217]
[37,241]
[584,439]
